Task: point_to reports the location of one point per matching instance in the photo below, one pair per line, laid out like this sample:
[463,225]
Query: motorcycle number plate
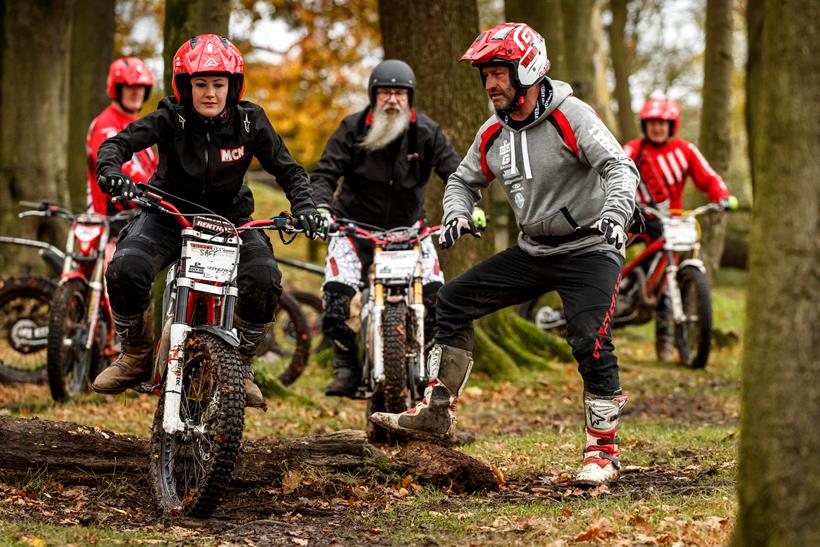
[396,264]
[680,232]
[210,262]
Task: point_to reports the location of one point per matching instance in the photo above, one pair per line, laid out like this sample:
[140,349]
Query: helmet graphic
[391,73]
[208,54]
[128,71]
[661,108]
[516,45]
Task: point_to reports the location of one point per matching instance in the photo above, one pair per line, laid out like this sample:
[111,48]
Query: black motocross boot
[434,418]
[250,335]
[347,371]
[134,363]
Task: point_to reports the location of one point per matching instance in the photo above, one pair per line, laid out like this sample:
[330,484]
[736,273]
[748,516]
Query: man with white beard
[385,154]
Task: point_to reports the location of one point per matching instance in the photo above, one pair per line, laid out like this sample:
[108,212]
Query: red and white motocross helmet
[661,108]
[208,54]
[128,71]
[516,45]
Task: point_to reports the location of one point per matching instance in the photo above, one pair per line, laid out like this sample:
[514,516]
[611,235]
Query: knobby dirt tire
[394,340]
[207,359]
[69,307]
[292,324]
[696,299]
[30,297]
[315,310]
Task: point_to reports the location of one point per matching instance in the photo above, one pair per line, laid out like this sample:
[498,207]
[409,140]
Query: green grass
[36,534]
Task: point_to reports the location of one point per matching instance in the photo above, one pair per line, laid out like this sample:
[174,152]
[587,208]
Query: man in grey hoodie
[572,189]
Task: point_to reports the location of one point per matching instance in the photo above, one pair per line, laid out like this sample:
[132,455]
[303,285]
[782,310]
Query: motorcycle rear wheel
[190,471]
[24,303]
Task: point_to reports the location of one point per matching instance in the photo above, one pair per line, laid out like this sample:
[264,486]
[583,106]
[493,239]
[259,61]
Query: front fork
[172,387]
[673,289]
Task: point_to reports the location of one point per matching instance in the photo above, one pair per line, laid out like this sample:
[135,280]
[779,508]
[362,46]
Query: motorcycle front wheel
[191,470]
[693,336]
[68,362]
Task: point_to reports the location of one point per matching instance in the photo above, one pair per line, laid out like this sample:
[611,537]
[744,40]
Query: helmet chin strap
[516,104]
[127,110]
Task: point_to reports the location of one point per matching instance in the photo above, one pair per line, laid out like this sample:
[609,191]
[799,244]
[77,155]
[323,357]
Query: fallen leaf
[291,481]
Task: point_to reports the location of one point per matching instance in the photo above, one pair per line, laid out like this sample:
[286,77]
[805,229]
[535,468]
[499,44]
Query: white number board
[209,262]
[396,264]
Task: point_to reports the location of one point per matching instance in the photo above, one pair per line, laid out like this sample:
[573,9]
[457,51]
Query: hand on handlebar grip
[454,229]
[313,223]
[119,185]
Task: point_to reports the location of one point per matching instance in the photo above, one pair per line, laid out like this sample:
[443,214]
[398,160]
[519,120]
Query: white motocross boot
[601,463]
[434,418]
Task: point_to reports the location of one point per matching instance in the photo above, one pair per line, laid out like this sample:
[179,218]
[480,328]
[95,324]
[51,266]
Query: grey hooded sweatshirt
[564,170]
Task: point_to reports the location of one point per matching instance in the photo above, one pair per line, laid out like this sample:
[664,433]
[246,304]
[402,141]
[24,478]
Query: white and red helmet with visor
[661,108]
[516,45]
[208,55]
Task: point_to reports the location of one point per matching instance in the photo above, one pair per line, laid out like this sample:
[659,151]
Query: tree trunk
[92,50]
[779,473]
[622,66]
[715,125]
[34,127]
[545,17]
[586,70]
[77,453]
[424,35]
[754,31]
[185,19]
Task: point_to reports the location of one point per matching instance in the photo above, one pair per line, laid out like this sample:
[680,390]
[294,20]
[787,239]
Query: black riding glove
[312,221]
[118,185]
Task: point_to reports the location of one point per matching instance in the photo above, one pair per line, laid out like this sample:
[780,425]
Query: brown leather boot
[250,335]
[134,362]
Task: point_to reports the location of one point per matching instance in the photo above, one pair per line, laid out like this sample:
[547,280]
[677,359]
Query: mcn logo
[229,155]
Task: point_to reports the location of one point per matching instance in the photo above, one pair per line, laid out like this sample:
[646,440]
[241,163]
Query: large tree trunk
[754,31]
[715,125]
[545,17]
[424,34]
[622,66]
[586,64]
[92,50]
[779,473]
[187,18]
[34,127]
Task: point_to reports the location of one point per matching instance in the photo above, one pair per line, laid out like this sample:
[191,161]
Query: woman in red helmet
[664,162]
[128,85]
[206,137]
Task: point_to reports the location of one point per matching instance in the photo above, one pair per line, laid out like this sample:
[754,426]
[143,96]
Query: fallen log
[74,453]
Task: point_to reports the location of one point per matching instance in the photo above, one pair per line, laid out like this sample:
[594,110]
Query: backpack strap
[562,125]
[488,137]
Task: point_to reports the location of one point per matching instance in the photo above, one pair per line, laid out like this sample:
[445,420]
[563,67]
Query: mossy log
[78,454]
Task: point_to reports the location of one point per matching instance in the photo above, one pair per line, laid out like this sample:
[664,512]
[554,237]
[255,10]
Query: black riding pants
[587,284]
[151,242]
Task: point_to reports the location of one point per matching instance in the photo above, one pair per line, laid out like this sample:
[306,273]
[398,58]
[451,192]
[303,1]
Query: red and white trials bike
[198,371]
[392,317]
[80,334]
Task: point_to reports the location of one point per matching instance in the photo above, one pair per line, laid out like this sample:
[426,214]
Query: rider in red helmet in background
[664,162]
[128,86]
[206,137]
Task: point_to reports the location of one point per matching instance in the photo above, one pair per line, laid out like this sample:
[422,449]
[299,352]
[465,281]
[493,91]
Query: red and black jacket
[384,188]
[205,160]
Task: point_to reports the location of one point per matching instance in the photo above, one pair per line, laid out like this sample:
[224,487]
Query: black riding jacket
[205,160]
[384,188]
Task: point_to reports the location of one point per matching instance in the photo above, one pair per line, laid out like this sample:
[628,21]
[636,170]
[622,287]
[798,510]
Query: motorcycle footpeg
[361,394]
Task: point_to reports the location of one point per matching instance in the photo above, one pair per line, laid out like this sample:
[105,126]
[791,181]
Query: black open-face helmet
[391,73]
